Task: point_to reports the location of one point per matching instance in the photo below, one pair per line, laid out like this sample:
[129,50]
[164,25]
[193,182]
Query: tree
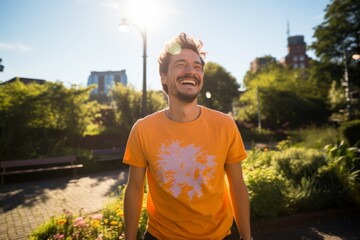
[337,39]
[42,119]
[284,98]
[340,31]
[221,85]
[127,107]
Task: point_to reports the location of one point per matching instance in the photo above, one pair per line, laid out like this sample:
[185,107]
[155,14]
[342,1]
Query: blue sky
[64,40]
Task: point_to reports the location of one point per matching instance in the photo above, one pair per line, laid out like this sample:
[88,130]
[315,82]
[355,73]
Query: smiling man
[186,151]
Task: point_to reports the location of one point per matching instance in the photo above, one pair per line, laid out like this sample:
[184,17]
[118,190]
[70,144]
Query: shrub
[334,184]
[296,163]
[350,131]
[267,193]
[314,137]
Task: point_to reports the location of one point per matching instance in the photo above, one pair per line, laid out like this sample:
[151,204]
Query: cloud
[14,46]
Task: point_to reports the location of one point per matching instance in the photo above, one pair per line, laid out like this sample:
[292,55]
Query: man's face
[185,76]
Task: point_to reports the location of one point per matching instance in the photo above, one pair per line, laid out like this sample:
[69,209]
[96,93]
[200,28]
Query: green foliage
[37,119]
[350,131]
[314,137]
[296,163]
[339,30]
[280,96]
[267,192]
[336,97]
[304,179]
[223,88]
[127,106]
[335,184]
[260,135]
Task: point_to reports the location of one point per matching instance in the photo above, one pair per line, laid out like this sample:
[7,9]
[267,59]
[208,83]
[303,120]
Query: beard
[187,98]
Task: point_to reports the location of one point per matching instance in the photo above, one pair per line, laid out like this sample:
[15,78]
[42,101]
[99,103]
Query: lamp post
[355,56]
[123,27]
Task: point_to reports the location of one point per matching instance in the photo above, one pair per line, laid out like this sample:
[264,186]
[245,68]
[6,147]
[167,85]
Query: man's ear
[163,78]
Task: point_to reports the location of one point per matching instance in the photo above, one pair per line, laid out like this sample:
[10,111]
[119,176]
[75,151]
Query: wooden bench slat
[41,169]
[108,154]
[108,158]
[33,162]
[30,165]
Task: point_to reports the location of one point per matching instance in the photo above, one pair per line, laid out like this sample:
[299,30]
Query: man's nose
[189,69]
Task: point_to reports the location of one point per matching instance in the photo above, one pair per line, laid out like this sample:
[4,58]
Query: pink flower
[59,236]
[97,216]
[100,237]
[79,222]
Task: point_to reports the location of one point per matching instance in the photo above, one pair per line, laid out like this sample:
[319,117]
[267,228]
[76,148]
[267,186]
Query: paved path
[24,206]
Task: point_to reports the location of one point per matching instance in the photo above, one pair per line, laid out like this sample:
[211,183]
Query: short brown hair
[183,41]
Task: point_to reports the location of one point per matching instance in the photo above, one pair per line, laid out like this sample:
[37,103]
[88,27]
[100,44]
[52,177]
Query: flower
[61,221]
[114,223]
[97,216]
[95,223]
[119,212]
[100,237]
[59,236]
[79,222]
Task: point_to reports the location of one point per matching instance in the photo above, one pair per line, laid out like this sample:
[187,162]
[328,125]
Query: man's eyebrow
[183,60]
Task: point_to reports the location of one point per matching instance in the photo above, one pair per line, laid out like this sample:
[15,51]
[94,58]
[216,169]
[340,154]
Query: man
[186,150]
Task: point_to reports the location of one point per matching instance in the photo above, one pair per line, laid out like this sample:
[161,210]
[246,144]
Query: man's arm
[133,201]
[239,199]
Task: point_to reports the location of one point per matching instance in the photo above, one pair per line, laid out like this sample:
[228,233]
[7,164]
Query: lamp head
[124,25]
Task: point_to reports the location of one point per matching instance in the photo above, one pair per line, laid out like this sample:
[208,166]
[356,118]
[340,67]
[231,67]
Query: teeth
[188,82]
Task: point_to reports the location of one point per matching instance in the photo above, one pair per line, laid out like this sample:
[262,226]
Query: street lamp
[124,27]
[347,57]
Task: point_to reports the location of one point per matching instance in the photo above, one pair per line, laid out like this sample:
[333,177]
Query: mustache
[185,76]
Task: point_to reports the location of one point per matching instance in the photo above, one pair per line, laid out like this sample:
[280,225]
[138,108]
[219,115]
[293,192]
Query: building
[296,57]
[106,80]
[261,62]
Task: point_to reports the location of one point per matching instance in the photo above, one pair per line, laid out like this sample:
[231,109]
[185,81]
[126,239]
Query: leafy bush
[350,131]
[267,192]
[334,184]
[314,179]
[296,163]
[37,119]
[314,137]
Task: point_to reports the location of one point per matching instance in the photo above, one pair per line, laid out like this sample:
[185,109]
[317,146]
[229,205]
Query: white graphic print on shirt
[185,169]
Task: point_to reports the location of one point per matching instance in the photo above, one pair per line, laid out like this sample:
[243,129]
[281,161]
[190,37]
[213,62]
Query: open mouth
[186,80]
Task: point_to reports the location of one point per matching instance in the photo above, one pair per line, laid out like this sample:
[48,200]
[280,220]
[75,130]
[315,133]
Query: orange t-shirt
[188,197]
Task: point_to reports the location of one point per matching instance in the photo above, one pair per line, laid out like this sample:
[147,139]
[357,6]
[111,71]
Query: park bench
[110,154]
[12,167]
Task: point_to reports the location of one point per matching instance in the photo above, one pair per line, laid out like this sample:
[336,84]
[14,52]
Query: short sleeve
[236,152]
[133,153]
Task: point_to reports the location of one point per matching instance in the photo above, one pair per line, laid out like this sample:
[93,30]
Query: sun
[144,12]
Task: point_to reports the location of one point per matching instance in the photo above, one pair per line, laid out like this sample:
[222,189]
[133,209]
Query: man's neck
[183,112]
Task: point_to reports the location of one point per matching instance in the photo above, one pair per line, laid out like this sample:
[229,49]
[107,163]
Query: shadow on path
[28,194]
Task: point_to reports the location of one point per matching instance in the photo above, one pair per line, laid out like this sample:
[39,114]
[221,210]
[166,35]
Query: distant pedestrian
[186,150]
